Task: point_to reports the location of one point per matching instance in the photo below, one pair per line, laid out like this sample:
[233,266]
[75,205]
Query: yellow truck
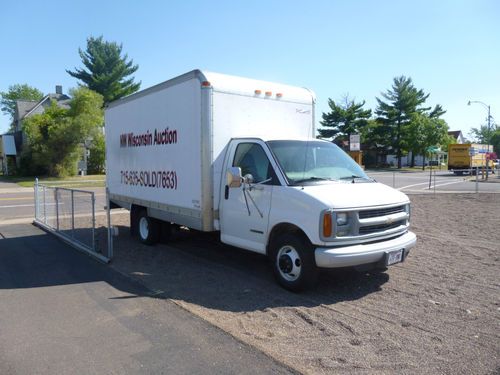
[462,157]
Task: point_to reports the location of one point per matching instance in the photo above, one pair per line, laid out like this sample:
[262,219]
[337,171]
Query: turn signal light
[327,224]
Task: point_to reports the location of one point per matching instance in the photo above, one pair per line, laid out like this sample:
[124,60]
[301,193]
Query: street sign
[82,166]
[354,142]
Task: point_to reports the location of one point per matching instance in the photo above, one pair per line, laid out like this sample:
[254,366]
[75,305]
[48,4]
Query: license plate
[394,257]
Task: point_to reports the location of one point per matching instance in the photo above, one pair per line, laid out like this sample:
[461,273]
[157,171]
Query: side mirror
[233,177]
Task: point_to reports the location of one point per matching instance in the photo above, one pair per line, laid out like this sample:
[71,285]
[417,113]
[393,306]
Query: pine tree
[106,70]
[402,101]
[344,119]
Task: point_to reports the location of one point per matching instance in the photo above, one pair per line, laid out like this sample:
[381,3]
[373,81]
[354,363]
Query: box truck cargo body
[220,153]
[464,156]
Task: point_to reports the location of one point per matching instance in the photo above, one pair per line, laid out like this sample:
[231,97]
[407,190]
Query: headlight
[341,218]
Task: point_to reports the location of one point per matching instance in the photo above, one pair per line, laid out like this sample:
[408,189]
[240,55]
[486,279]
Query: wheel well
[284,228]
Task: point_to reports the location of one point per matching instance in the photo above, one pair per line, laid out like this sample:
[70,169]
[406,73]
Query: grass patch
[74,181]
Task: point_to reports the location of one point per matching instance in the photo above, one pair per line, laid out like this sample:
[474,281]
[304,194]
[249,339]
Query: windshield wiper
[354,177]
[312,179]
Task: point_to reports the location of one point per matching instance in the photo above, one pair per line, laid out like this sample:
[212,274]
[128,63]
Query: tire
[292,259]
[148,229]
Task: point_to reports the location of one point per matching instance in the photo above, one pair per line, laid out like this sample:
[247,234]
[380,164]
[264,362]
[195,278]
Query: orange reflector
[268,93]
[279,95]
[258,92]
[205,84]
[327,224]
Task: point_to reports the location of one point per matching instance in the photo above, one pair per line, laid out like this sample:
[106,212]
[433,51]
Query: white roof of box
[234,85]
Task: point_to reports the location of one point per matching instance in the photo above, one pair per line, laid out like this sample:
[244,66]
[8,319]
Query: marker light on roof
[279,95]
[268,93]
[258,92]
[205,84]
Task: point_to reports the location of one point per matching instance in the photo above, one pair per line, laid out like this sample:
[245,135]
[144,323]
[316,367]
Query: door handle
[226,192]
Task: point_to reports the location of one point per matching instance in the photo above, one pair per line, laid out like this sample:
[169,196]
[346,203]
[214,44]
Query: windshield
[312,161]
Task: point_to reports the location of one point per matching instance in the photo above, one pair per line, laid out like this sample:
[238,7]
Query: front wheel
[293,263]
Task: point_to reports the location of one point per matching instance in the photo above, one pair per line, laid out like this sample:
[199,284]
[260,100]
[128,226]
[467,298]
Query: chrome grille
[381,212]
[380,227]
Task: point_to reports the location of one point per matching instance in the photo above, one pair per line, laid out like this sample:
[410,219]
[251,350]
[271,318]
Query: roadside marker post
[477,182]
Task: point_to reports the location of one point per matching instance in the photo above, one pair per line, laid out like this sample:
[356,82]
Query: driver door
[245,210]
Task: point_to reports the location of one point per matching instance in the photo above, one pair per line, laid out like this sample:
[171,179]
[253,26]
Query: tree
[376,140]
[55,137]
[495,140]
[18,92]
[446,141]
[97,157]
[402,101]
[481,134]
[423,132]
[106,70]
[344,119]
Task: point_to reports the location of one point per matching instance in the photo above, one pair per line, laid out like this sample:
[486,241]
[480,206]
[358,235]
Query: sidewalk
[492,178]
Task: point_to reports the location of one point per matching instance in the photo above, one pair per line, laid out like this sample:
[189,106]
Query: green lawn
[74,182]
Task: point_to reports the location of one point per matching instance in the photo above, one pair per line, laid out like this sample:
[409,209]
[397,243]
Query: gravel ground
[438,312]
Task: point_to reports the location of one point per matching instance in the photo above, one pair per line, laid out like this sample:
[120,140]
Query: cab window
[252,159]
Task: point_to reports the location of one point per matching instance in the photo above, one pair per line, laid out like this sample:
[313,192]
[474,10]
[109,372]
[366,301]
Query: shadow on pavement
[193,267]
[30,258]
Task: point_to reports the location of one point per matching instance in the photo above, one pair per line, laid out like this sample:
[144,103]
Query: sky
[450,48]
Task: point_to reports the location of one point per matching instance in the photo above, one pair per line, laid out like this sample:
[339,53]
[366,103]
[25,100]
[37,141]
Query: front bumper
[364,253]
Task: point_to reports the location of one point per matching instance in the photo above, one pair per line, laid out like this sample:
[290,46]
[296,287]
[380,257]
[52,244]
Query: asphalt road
[63,313]
[441,181]
[18,204]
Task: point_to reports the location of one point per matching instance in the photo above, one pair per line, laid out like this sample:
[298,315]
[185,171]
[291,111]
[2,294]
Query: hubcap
[289,263]
[143,228]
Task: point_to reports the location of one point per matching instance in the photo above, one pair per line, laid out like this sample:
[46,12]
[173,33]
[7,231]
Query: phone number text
[153,179]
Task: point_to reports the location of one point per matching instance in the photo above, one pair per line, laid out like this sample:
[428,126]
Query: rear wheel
[293,263]
[148,229]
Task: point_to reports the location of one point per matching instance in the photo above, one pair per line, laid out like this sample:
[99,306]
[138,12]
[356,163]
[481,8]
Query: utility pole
[488,140]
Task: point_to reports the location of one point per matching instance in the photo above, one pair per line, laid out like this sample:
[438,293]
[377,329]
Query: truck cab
[307,205]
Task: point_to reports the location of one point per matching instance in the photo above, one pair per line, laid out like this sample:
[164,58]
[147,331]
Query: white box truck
[220,153]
